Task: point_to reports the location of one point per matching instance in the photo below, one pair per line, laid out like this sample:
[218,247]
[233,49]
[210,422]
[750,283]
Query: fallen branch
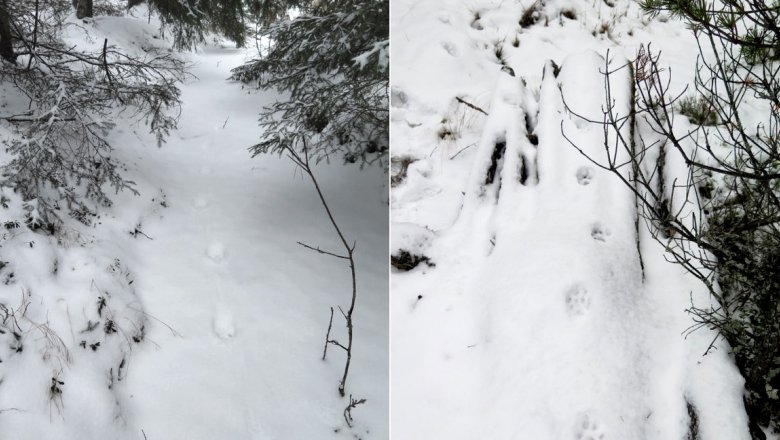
[470,105]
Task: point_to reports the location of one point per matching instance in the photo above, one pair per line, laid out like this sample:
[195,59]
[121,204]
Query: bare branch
[317,249]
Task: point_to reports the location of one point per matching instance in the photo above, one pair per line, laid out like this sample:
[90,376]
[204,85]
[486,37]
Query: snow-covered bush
[62,103]
[333,62]
[69,318]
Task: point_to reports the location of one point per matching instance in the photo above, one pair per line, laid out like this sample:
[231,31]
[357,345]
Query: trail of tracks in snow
[562,292]
[246,306]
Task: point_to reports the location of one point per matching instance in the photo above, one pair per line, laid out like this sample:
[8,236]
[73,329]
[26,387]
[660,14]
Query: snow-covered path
[237,309]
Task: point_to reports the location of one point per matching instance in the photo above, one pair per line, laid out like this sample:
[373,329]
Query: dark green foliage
[750,25]
[695,10]
[189,20]
[738,226]
[332,64]
[747,245]
[266,12]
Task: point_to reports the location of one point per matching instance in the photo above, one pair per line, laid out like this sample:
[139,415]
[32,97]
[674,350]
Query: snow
[537,320]
[203,269]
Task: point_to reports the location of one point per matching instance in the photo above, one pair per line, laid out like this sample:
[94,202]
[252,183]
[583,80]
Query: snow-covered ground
[534,318]
[218,317]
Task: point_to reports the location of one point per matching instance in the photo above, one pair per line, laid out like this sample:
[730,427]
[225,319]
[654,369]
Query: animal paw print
[590,429]
[223,323]
[600,233]
[216,252]
[584,176]
[200,202]
[577,300]
[450,48]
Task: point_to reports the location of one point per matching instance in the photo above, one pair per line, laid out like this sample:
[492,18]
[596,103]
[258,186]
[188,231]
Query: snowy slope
[203,269]
[535,319]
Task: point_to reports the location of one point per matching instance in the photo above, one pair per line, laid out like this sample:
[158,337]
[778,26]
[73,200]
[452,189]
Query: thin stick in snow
[304,164]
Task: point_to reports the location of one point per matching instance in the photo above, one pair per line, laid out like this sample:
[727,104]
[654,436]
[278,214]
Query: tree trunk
[6,45]
[83,8]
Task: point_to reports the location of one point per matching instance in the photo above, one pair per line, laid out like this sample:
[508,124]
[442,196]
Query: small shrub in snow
[747,262]
[406,261]
[102,317]
[460,116]
[698,110]
[447,132]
